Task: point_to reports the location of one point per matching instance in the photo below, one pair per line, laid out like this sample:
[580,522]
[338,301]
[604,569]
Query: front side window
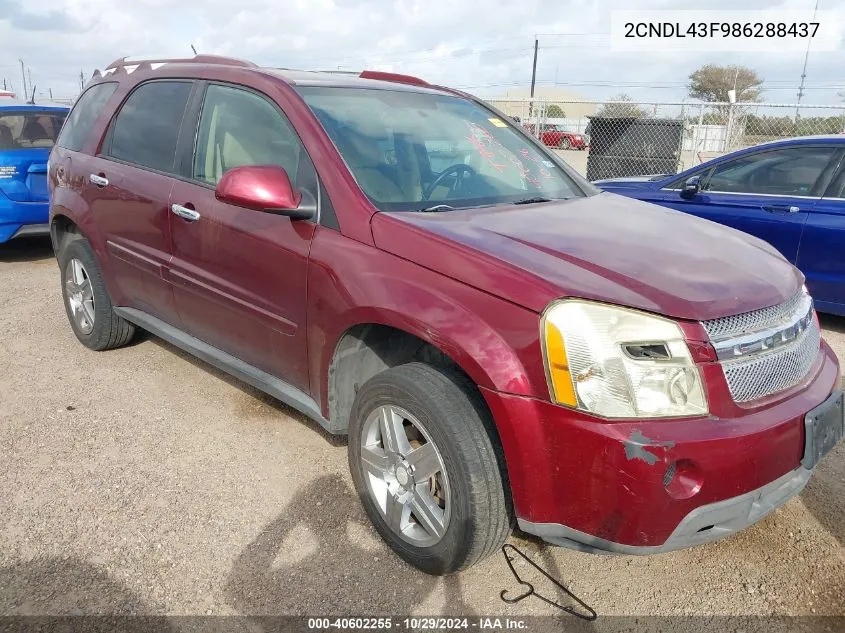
[239,128]
[413,150]
[146,129]
[84,114]
[29,129]
[789,171]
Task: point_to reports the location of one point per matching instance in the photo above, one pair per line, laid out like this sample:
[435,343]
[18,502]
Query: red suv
[500,341]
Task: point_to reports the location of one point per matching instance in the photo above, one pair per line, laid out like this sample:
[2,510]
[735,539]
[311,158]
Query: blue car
[27,134]
[790,193]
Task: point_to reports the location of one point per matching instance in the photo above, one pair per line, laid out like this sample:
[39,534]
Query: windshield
[25,130]
[413,151]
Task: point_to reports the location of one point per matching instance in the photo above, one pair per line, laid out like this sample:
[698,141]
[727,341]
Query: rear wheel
[87,303]
[427,468]
[565,143]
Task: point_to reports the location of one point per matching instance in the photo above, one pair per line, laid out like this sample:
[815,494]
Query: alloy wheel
[405,476]
[79,295]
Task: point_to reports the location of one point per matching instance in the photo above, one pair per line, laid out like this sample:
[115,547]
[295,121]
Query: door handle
[781,208]
[100,181]
[185,213]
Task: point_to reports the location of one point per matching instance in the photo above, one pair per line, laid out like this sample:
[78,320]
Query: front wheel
[426,464]
[565,143]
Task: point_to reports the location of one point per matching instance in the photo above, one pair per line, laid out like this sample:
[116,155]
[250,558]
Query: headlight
[619,363]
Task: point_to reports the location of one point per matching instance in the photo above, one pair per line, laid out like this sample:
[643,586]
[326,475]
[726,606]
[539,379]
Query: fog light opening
[683,479]
[706,528]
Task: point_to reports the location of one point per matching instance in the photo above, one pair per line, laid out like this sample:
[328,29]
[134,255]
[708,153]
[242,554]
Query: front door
[239,275]
[768,194]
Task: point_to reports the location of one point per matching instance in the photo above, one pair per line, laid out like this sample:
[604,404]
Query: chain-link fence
[625,138]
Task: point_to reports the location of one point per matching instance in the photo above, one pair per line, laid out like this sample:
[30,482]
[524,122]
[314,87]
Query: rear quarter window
[84,114]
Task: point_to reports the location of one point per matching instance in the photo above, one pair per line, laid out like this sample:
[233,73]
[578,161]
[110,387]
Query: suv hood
[603,247]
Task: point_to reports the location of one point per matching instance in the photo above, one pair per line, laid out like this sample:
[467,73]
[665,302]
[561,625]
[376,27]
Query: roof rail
[164,59]
[394,77]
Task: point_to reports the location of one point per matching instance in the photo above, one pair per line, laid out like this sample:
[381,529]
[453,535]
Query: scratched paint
[636,447]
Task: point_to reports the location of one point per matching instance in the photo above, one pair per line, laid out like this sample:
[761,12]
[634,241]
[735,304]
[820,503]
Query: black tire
[565,143]
[109,330]
[459,424]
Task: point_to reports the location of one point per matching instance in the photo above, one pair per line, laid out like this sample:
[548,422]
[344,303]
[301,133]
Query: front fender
[496,343]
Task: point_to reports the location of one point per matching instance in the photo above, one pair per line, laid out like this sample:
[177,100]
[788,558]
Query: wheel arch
[374,340]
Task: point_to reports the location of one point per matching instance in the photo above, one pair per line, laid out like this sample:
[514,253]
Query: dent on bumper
[705,524]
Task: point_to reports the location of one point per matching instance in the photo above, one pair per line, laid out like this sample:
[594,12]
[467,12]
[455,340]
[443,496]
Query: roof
[821,138]
[14,104]
[365,79]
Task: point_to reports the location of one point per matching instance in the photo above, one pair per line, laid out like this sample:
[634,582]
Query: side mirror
[691,187]
[265,188]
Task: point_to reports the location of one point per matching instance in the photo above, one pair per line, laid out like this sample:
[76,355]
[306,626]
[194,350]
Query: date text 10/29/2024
[417,623]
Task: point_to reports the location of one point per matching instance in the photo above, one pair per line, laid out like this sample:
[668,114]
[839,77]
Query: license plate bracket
[824,427]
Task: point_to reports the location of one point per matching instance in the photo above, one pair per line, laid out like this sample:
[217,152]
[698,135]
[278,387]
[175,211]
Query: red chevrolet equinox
[501,342]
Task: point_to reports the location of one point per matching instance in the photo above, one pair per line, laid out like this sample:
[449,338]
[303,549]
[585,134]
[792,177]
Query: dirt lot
[140,480]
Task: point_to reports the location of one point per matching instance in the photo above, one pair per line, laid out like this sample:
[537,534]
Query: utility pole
[29,76]
[23,77]
[533,78]
[81,81]
[804,70]
[51,93]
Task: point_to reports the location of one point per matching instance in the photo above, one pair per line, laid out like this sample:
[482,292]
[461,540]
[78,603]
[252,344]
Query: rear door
[821,256]
[768,194]
[239,275]
[129,184]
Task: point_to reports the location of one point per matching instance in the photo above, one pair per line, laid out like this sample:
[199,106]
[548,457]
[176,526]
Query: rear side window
[146,129]
[28,130]
[84,115]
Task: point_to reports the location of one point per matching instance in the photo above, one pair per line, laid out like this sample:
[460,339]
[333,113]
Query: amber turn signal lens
[559,377]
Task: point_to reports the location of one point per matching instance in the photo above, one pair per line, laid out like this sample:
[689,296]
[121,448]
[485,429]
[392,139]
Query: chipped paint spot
[636,447]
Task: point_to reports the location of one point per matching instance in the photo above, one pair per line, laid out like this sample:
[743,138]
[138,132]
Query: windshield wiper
[437,207]
[533,200]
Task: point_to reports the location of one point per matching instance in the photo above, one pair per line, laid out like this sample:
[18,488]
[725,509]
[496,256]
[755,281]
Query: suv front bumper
[652,486]
[705,524]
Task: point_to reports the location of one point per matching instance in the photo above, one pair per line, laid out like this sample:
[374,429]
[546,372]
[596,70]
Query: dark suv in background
[501,341]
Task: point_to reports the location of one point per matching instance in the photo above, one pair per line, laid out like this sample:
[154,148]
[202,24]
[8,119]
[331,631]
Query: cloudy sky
[485,47]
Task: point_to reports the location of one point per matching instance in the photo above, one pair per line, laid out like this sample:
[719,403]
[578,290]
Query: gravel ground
[143,481]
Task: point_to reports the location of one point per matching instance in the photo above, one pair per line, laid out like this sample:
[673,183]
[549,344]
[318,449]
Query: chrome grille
[765,374]
[731,326]
[773,361]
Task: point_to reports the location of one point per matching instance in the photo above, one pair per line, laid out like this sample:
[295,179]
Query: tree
[711,83]
[554,111]
[621,106]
